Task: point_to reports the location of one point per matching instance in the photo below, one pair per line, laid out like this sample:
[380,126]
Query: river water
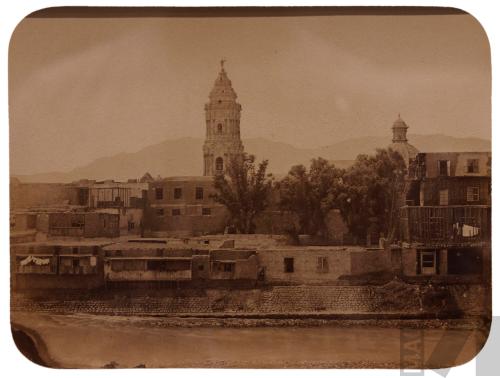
[93,341]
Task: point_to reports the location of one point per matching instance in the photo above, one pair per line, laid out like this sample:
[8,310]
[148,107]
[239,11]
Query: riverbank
[284,320]
[96,341]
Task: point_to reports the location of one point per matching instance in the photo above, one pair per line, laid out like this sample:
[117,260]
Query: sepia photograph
[253,187]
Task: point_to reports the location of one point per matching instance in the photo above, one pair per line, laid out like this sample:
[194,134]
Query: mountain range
[183,157]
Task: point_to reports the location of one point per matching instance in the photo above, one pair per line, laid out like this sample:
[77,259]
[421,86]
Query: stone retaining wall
[472,299]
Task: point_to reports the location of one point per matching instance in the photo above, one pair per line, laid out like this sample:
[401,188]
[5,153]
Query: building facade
[183,206]
[446,224]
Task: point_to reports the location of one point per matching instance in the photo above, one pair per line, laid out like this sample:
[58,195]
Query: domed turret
[400,141]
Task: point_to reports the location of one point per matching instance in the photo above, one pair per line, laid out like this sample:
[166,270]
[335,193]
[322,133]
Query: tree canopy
[311,195]
[367,193]
[244,190]
[373,188]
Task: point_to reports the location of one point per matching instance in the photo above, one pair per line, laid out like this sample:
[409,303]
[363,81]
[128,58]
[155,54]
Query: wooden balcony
[446,225]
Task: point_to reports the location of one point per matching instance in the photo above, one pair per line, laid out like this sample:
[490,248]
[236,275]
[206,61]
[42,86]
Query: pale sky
[84,88]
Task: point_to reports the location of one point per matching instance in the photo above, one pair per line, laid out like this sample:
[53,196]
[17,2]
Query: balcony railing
[446,225]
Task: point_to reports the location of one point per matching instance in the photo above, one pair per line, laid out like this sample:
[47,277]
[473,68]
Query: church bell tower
[222,116]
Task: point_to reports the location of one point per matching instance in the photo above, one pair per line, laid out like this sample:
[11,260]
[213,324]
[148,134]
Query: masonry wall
[473,299]
[185,215]
[282,222]
[305,265]
[191,221]
[371,261]
[23,221]
[101,225]
[25,195]
[409,261]
[126,215]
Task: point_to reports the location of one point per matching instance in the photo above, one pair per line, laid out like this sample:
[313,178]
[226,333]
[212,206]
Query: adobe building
[71,264]
[125,199]
[30,195]
[183,206]
[161,262]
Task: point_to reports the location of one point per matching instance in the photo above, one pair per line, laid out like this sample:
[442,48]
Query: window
[76,263]
[206,211]
[159,193]
[78,222]
[443,197]
[132,265]
[227,267]
[288,264]
[219,164]
[472,166]
[158,265]
[176,212]
[177,193]
[160,212]
[472,193]
[199,193]
[201,267]
[75,250]
[428,262]
[219,128]
[322,266]
[444,167]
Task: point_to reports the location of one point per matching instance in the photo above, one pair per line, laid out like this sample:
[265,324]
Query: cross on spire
[222,61]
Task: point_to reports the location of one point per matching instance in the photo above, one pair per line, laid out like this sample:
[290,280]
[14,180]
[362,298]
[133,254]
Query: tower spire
[222,116]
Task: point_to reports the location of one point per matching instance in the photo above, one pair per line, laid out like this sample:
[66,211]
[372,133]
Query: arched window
[219,128]
[219,164]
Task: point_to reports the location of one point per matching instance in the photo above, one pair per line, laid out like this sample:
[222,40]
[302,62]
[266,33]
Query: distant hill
[183,157]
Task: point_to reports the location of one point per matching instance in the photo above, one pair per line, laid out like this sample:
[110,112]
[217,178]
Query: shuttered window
[472,194]
[443,197]
[322,265]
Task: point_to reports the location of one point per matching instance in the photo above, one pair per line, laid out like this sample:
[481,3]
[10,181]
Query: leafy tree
[372,193]
[244,190]
[311,195]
